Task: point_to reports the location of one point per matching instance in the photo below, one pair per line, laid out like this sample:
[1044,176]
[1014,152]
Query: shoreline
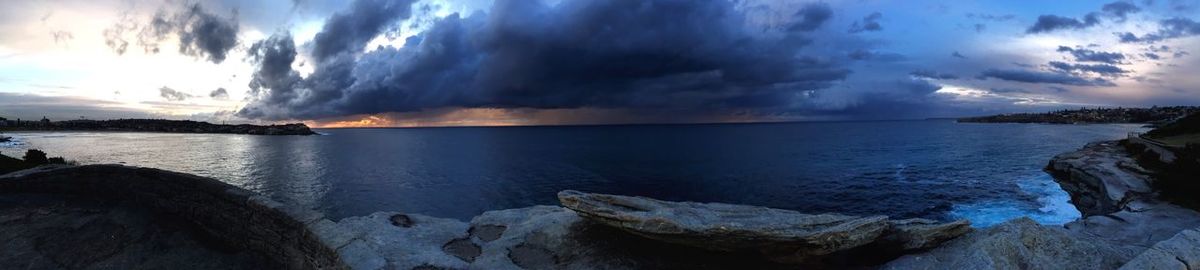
[154,125]
[619,232]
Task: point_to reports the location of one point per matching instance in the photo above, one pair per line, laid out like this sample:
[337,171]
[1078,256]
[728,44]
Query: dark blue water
[931,169]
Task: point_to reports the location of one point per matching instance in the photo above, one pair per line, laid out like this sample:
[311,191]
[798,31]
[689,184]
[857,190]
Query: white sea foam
[12,142]
[899,174]
[1053,205]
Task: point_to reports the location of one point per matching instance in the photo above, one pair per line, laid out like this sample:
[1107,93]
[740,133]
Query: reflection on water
[931,169]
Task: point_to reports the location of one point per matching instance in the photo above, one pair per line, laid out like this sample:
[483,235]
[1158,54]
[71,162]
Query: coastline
[154,125]
[1123,226]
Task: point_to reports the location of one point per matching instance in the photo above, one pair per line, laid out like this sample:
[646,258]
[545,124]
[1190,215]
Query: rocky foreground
[1124,227]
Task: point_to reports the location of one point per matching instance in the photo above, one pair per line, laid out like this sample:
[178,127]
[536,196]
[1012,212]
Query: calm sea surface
[935,169]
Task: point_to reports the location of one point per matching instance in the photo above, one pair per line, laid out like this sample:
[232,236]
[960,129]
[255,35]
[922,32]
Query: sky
[334,63]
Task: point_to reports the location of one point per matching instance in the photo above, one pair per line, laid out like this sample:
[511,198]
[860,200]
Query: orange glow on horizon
[492,117]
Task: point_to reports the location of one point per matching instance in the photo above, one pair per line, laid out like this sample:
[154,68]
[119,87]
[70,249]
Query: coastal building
[3,122]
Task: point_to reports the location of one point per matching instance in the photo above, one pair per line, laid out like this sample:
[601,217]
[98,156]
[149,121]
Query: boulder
[780,235]
[1019,244]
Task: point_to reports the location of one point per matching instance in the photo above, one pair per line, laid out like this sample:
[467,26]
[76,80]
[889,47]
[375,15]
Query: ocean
[936,169]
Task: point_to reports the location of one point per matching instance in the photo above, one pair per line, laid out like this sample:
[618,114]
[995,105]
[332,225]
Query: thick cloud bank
[200,33]
[525,54]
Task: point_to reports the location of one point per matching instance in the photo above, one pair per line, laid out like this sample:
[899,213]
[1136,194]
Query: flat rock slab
[780,235]
[1019,244]
[1179,252]
[538,237]
[43,231]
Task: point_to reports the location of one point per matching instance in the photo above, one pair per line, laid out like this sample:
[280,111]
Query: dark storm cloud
[172,94]
[1086,55]
[929,74]
[219,94]
[1003,90]
[869,23]
[1049,23]
[200,33]
[274,57]
[811,16]
[349,32]
[918,87]
[958,55]
[1120,9]
[1028,76]
[1168,29]
[865,55]
[1103,69]
[1058,89]
[576,54]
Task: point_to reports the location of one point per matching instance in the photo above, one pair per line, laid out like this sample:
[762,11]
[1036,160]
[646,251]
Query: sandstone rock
[538,237]
[1140,226]
[1101,178]
[1018,244]
[1117,198]
[781,235]
[915,234]
[1179,252]
[373,242]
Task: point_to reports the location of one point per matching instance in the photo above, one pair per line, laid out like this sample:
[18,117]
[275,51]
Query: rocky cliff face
[1124,225]
[1117,197]
[1102,178]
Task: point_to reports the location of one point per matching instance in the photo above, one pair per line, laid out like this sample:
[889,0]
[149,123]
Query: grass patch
[1180,140]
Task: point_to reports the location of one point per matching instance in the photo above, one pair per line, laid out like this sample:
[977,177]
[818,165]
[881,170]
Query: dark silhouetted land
[152,125]
[1153,115]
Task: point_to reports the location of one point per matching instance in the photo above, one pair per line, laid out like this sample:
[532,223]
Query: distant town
[1152,115]
[150,125]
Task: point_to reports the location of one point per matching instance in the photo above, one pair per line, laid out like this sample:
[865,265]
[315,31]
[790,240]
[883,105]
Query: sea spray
[1052,206]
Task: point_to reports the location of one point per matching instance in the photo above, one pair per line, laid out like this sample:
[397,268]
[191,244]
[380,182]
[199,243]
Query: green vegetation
[9,164]
[1179,133]
[1179,181]
[1150,115]
[33,158]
